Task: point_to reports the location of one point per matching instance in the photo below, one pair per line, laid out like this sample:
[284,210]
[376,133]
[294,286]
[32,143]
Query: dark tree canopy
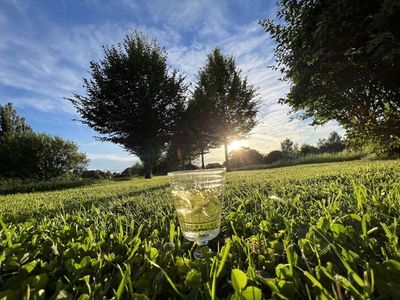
[273,156]
[196,133]
[39,156]
[306,149]
[231,102]
[288,147]
[11,123]
[343,61]
[332,144]
[133,99]
[245,157]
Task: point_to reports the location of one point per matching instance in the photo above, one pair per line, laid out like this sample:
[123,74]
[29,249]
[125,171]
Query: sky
[46,47]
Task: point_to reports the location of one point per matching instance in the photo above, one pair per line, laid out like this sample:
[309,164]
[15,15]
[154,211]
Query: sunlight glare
[235,145]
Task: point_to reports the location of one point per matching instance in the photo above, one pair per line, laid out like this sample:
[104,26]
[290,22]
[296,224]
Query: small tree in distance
[306,149]
[232,102]
[288,147]
[11,123]
[332,144]
[133,99]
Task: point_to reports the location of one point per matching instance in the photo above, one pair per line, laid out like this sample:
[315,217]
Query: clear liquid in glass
[199,212]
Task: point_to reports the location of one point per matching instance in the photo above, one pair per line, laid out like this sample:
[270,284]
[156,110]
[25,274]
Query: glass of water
[198,202]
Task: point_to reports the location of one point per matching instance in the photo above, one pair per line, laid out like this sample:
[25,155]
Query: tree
[245,157]
[332,144]
[343,61]
[11,123]
[133,99]
[289,148]
[96,174]
[273,156]
[39,156]
[306,149]
[196,134]
[231,102]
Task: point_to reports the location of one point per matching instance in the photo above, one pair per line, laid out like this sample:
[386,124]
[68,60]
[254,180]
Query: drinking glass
[198,202]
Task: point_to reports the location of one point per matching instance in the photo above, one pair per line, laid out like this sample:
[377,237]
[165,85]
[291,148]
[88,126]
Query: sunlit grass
[323,230]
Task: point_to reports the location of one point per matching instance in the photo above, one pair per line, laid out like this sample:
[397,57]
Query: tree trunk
[148,170]
[226,155]
[202,158]
[148,164]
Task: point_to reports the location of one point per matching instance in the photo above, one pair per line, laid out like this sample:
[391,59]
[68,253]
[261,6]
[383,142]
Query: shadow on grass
[71,206]
[44,186]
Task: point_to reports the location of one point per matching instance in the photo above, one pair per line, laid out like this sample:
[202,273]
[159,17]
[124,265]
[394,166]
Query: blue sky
[46,46]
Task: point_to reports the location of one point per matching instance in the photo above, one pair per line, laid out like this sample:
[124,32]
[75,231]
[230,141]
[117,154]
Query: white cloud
[49,64]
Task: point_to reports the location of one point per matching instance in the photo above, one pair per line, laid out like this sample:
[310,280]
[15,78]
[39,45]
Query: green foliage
[39,156]
[273,156]
[306,149]
[245,157]
[332,144]
[11,123]
[288,148]
[230,103]
[307,159]
[133,99]
[96,174]
[343,60]
[316,231]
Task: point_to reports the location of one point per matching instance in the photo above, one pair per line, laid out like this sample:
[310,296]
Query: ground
[321,230]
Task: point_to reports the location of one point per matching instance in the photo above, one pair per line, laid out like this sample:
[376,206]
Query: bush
[306,149]
[332,144]
[273,156]
[96,174]
[213,166]
[39,157]
[245,157]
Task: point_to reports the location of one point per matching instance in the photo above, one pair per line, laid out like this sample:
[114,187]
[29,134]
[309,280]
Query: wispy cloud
[46,61]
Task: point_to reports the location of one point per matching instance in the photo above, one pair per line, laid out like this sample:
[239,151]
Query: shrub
[245,157]
[213,166]
[39,156]
[273,156]
[306,149]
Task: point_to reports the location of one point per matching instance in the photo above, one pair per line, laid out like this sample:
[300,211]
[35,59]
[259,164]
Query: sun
[236,145]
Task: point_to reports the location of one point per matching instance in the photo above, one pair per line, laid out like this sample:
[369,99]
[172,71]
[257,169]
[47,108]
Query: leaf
[252,293]
[7,232]
[224,256]
[193,279]
[63,294]
[39,281]
[313,280]
[29,266]
[122,284]
[323,223]
[239,279]
[338,229]
[84,297]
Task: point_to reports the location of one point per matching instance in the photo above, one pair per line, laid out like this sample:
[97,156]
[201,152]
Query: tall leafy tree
[343,61]
[196,135]
[11,123]
[231,102]
[133,98]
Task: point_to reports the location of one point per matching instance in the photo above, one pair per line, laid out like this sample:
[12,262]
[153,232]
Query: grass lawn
[321,230]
